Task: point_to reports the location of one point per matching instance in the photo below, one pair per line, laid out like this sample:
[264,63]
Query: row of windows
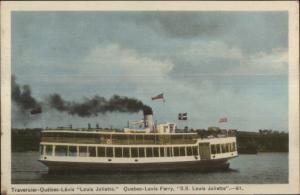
[222,148]
[121,152]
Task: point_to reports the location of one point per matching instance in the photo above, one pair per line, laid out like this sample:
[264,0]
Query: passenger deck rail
[119,139]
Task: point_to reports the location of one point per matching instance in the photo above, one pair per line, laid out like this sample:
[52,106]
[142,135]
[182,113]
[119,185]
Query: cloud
[206,63]
[250,31]
[203,100]
[215,58]
[212,49]
[188,24]
[123,64]
[262,63]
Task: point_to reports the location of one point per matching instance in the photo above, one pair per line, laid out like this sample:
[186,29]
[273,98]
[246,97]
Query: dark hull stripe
[203,165]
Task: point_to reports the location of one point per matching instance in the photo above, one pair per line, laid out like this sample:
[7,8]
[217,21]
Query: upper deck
[116,138]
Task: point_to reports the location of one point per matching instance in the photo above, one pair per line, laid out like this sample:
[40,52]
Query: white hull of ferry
[212,162]
[185,165]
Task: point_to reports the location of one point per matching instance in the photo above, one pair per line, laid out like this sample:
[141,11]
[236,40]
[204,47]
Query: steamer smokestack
[148,118]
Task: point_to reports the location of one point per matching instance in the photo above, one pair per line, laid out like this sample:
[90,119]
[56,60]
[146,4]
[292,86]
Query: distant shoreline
[248,142]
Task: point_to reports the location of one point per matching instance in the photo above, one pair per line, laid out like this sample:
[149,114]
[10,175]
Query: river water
[262,168]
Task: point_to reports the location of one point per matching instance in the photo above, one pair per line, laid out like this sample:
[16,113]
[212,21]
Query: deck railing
[117,141]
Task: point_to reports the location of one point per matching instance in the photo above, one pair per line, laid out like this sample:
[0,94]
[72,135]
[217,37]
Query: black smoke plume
[96,105]
[21,95]
[147,110]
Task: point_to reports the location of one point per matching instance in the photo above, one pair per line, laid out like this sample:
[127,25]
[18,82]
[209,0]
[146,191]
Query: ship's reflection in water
[247,169]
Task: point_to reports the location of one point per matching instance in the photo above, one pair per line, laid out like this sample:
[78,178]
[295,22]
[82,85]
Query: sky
[209,64]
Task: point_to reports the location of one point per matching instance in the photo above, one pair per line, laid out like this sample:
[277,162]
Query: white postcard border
[290,6]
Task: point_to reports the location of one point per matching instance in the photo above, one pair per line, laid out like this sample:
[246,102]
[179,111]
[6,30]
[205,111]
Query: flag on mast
[158,97]
[182,116]
[223,120]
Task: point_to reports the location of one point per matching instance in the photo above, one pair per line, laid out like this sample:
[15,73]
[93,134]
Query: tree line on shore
[265,140]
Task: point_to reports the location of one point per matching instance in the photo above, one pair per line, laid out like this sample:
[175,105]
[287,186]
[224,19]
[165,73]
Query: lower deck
[213,150]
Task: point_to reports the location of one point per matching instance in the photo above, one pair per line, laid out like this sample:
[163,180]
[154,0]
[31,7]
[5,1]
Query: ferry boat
[157,147]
